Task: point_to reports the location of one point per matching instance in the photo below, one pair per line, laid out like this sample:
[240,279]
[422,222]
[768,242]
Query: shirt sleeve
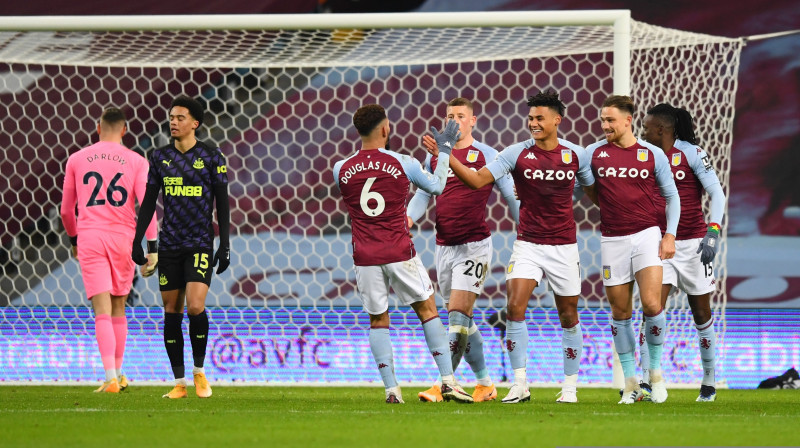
[68,201]
[666,184]
[431,183]
[505,161]
[419,203]
[139,188]
[702,168]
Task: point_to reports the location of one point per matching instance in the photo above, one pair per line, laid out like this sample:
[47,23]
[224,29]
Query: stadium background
[764,204]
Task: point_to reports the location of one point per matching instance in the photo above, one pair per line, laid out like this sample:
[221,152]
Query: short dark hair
[460,101]
[621,102]
[549,99]
[367,118]
[196,110]
[679,119]
[113,116]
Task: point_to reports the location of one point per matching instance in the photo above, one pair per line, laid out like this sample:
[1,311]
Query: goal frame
[620,19]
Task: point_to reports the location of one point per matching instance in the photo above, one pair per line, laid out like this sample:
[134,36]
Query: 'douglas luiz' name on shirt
[628,180]
[460,210]
[692,171]
[545,181]
[187,181]
[374,184]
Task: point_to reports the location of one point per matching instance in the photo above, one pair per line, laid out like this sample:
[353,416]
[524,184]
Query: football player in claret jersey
[463,245]
[374,183]
[192,176]
[628,172]
[545,169]
[104,180]
[671,129]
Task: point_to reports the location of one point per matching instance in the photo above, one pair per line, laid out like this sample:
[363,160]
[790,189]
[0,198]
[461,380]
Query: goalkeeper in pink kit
[103,181]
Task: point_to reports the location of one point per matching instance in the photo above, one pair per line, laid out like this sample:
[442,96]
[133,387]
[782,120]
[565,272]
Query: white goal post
[280,91]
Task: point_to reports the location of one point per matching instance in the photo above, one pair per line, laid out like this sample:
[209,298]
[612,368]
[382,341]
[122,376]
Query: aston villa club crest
[566,156]
[472,156]
[642,154]
[676,159]
[510,268]
[607,272]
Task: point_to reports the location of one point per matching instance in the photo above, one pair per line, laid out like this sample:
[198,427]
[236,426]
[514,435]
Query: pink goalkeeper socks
[120,325]
[104,332]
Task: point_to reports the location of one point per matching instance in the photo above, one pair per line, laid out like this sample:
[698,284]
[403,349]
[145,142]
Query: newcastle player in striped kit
[192,176]
[629,173]
[374,184]
[545,170]
[691,270]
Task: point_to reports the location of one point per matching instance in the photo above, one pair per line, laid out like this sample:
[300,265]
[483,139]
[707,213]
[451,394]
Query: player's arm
[505,184]
[473,179]
[68,201]
[708,178]
[585,179]
[221,199]
[666,184]
[151,233]
[588,185]
[433,184]
[147,210]
[419,203]
[223,254]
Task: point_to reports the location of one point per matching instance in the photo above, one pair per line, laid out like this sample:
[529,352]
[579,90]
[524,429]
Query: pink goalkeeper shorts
[106,264]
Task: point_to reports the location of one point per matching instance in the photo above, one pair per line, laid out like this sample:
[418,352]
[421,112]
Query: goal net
[280,93]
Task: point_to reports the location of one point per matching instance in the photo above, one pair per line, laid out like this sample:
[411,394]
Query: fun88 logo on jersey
[622,172]
[549,174]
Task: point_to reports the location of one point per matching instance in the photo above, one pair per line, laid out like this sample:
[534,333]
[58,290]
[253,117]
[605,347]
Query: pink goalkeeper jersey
[104,180]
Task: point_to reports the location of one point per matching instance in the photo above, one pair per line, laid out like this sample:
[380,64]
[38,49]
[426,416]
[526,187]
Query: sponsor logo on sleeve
[706,162]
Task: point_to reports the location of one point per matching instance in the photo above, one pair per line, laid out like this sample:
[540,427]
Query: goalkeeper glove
[708,247]
[223,257]
[447,138]
[150,268]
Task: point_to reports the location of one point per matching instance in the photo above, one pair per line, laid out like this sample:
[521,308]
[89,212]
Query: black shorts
[178,267]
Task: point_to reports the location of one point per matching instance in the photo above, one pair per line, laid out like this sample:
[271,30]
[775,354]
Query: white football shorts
[408,279]
[623,256]
[463,267]
[686,271]
[560,263]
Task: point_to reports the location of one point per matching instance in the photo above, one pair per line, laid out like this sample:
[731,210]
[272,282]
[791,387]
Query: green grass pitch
[275,416]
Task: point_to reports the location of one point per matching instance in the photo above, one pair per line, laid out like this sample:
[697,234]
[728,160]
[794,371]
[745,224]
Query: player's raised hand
[223,257]
[447,138]
[708,247]
[430,145]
